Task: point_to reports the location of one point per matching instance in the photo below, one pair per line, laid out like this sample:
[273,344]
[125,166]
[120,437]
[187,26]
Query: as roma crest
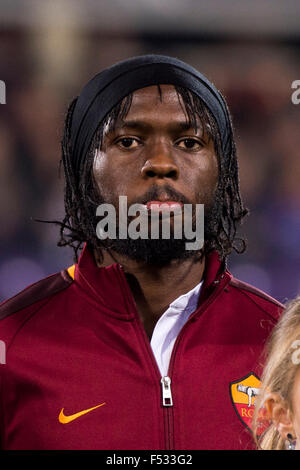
[243,393]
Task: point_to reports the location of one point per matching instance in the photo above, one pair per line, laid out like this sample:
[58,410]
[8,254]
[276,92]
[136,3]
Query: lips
[162,206]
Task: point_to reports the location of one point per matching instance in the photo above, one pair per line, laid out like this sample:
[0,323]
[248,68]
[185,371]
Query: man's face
[153,154]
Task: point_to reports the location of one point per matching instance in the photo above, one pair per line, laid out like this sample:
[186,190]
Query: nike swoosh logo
[67,419]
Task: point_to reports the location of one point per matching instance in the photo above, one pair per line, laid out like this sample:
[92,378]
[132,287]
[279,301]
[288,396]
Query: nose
[160,163]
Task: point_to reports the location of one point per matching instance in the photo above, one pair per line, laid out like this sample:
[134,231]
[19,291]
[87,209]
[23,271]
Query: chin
[155,252]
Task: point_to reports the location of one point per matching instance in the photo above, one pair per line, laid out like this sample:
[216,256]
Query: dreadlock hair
[81,195]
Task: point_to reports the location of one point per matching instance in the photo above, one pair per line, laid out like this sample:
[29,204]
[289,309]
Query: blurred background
[250,49]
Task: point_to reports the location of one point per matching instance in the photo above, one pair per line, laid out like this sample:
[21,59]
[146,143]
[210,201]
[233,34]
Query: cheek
[100,166]
[205,177]
[99,162]
[111,179]
[102,173]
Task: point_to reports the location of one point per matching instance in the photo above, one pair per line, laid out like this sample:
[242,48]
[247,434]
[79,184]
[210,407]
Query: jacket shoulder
[264,301]
[36,292]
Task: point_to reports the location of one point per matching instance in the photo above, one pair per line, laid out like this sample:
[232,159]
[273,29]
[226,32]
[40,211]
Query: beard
[162,251]
[155,252]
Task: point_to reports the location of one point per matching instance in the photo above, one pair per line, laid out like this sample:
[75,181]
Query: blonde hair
[278,375]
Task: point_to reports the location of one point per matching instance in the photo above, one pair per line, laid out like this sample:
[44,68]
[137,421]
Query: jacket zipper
[166,392]
[166,381]
[197,312]
[167,402]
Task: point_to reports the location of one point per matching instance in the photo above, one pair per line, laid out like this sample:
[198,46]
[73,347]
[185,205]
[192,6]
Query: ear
[278,411]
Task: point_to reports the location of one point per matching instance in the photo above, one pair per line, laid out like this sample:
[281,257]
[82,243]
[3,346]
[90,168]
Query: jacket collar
[215,276]
[107,285]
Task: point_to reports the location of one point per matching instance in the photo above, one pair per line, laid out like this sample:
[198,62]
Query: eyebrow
[143,126]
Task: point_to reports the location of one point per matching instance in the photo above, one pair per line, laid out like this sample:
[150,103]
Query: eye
[189,143]
[127,142]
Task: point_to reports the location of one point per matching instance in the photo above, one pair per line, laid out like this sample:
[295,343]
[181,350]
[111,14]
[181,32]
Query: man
[143,343]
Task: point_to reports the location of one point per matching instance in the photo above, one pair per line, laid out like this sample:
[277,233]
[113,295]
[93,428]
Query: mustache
[156,192]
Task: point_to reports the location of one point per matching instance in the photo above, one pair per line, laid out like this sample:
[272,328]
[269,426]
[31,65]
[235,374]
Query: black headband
[109,87]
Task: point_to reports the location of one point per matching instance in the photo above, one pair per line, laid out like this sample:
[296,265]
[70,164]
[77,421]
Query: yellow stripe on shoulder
[71,271]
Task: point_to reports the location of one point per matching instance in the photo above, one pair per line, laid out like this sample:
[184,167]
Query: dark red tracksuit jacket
[74,344]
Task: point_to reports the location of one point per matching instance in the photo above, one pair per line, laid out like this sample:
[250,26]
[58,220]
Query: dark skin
[153,147]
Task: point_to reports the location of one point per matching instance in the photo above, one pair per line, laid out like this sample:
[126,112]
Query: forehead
[158,95]
[166,93]
[161,106]
[160,103]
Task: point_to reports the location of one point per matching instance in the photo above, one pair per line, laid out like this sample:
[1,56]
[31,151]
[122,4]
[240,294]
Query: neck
[155,287]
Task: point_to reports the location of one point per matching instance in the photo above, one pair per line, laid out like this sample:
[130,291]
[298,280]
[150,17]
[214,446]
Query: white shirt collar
[169,325]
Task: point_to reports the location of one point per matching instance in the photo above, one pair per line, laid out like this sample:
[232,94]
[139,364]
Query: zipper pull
[166,391]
